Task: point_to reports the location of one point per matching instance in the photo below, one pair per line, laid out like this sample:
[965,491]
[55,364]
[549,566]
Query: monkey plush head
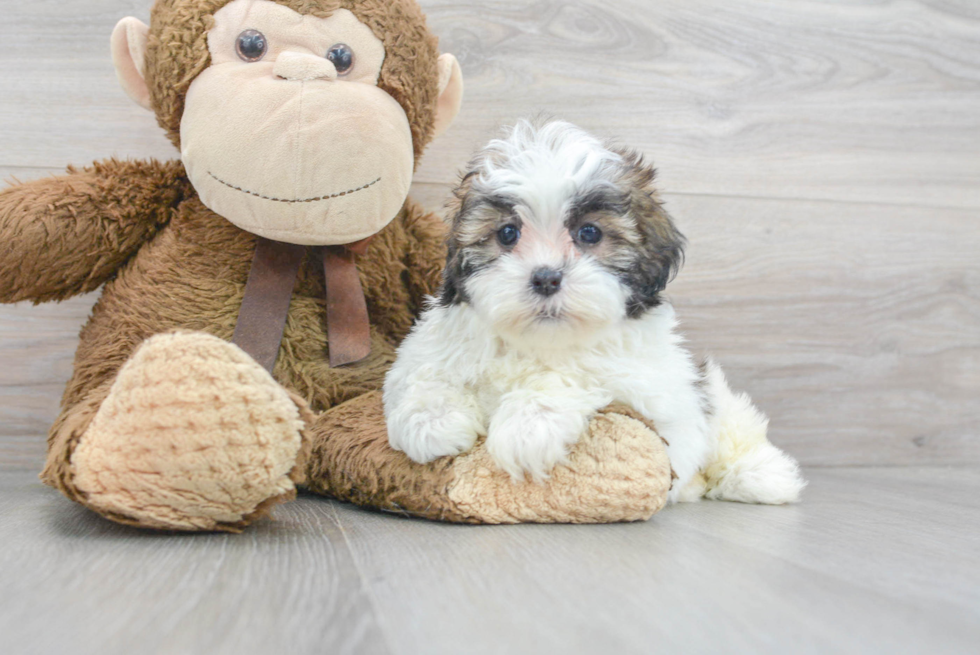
[297,120]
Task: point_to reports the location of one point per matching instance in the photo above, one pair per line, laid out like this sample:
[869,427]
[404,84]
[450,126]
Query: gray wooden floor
[822,156]
[877,560]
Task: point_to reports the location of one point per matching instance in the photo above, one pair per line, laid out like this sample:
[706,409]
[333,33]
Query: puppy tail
[744,466]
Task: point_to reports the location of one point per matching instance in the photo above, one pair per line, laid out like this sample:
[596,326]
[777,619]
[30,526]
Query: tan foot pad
[618,471]
[194,435]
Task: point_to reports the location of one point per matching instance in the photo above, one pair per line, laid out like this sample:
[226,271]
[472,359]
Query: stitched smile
[259,195]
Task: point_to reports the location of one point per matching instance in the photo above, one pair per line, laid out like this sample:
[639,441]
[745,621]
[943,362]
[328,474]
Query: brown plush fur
[191,276]
[68,235]
[369,472]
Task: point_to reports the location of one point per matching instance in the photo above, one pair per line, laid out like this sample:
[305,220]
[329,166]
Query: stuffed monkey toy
[255,291]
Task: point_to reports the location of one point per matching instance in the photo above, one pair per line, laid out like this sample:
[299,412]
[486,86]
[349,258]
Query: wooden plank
[29,410]
[855,327]
[852,367]
[61,102]
[836,100]
[10,175]
[431,196]
[22,453]
[872,561]
[37,342]
[858,100]
[75,582]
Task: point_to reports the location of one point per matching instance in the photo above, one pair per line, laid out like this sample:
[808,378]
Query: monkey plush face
[290,131]
[286,133]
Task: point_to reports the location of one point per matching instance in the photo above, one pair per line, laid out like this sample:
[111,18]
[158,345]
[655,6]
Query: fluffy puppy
[551,309]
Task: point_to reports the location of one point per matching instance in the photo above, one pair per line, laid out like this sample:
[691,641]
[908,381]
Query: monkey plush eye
[508,235]
[342,58]
[251,45]
[589,234]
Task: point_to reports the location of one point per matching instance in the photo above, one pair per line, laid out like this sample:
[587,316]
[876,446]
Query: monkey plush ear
[128,49]
[450,92]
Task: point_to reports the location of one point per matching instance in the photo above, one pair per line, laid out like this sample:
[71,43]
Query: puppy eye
[589,234]
[251,46]
[342,58]
[508,235]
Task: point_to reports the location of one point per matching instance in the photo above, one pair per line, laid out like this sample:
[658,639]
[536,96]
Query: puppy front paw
[426,434]
[532,442]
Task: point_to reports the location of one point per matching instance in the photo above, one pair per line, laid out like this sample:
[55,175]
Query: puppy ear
[452,292]
[661,247]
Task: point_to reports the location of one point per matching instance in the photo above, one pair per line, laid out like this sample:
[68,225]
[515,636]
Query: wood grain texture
[858,100]
[72,582]
[844,573]
[855,327]
[874,560]
[22,452]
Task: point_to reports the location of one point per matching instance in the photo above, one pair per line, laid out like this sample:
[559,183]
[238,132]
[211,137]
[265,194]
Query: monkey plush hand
[202,393]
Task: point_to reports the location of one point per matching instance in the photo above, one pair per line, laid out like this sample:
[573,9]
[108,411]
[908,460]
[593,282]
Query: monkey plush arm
[66,235]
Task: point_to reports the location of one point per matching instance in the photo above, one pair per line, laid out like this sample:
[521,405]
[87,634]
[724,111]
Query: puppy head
[556,236]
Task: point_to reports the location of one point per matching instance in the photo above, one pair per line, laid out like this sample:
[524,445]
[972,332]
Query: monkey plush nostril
[301,67]
[546,281]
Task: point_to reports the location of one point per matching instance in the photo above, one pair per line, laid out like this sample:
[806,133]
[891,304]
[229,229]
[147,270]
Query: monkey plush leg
[191,435]
[618,471]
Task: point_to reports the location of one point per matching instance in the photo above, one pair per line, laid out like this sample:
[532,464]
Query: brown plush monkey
[299,123]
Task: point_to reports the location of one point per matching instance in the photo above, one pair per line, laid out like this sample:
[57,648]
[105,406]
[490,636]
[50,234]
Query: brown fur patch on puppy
[475,220]
[657,244]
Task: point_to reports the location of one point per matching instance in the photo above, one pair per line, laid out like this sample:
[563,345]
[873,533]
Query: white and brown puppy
[551,309]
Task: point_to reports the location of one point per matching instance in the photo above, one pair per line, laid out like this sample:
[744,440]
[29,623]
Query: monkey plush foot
[194,435]
[618,471]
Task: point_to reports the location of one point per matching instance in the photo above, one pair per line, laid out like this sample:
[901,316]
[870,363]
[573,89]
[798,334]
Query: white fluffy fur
[544,166]
[529,372]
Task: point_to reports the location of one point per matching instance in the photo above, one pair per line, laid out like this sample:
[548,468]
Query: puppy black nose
[546,281]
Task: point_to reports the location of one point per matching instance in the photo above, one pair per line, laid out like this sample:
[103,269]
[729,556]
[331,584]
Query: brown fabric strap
[348,329]
[268,292]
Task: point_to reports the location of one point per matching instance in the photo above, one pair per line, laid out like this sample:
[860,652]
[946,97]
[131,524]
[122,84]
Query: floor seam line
[372,599]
